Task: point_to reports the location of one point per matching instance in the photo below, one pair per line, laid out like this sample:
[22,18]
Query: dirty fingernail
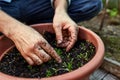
[59,41]
[59,60]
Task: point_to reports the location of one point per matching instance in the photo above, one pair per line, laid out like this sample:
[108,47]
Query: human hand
[33,47]
[66,30]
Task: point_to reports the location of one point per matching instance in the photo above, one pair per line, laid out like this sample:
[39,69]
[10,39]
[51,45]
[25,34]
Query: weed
[49,73]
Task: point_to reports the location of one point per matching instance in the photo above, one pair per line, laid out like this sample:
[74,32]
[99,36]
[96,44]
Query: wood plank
[110,77]
[101,74]
[98,75]
[111,66]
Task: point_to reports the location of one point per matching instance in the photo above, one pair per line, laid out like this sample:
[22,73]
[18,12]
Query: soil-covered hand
[33,47]
[66,30]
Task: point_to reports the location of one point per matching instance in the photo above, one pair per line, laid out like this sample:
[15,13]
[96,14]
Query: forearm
[7,23]
[60,5]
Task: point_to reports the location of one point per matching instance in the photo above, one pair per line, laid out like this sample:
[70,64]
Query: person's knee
[85,11]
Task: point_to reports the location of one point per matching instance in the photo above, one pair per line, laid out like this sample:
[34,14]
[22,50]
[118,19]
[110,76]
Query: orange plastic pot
[81,73]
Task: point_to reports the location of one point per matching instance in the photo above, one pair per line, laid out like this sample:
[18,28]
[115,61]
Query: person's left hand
[66,30]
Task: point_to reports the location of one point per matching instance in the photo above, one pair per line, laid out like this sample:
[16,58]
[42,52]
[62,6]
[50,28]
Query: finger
[36,59]
[42,54]
[46,46]
[58,32]
[66,26]
[29,60]
[73,39]
[71,44]
[63,44]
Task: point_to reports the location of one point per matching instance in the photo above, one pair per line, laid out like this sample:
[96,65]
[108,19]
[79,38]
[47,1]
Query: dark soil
[14,64]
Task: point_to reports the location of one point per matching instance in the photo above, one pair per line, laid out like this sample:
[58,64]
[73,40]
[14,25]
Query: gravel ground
[110,33]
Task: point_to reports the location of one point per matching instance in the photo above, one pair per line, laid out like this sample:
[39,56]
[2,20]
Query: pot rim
[93,64]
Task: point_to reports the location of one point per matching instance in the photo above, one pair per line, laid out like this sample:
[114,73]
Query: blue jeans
[41,11]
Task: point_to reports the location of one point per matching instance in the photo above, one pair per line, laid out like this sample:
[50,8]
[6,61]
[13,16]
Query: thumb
[58,32]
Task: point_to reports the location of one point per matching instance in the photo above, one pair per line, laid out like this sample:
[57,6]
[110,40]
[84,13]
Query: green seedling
[59,51]
[80,56]
[29,67]
[68,65]
[49,73]
[86,56]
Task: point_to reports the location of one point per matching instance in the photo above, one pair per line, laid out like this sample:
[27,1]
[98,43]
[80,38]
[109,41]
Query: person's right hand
[33,47]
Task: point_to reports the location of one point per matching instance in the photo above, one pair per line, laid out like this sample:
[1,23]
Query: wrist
[52,2]
[60,5]
[8,24]
[11,28]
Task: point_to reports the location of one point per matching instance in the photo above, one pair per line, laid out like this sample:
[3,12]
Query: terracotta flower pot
[81,73]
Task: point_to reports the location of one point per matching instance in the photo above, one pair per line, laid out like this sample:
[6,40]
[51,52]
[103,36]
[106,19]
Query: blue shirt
[6,0]
[69,1]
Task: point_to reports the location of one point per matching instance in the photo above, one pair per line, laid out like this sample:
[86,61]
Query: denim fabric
[40,11]
[6,0]
[81,10]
